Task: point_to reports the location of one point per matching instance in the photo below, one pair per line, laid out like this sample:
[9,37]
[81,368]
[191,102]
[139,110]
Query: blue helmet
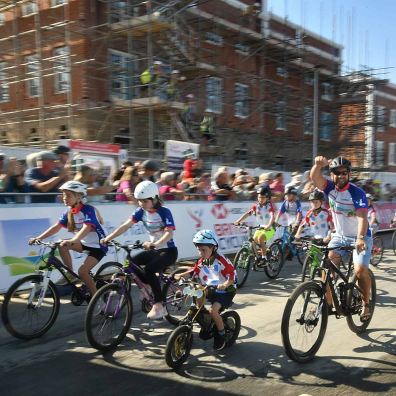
[205,237]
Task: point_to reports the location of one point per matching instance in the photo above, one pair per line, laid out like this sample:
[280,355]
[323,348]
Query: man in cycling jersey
[349,208]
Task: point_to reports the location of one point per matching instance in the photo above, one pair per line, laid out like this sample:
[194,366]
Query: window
[214,38]
[327,91]
[242,48]
[29,8]
[326,126]
[55,3]
[392,121]
[122,72]
[282,72]
[379,153]
[241,100]
[2,19]
[32,73]
[380,113]
[392,154]
[308,120]
[308,79]
[214,94]
[4,88]
[119,11]
[61,70]
[281,115]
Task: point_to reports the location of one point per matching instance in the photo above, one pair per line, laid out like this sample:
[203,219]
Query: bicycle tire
[275,263]
[303,290]
[104,273]
[377,251]
[232,326]
[6,316]
[243,262]
[106,317]
[182,335]
[300,256]
[354,303]
[394,242]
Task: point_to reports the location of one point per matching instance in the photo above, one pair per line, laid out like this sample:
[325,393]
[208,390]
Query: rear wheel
[377,251]
[242,262]
[25,314]
[178,346]
[304,322]
[232,326]
[275,260]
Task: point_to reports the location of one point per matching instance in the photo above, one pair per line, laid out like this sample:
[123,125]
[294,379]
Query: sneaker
[157,312]
[219,342]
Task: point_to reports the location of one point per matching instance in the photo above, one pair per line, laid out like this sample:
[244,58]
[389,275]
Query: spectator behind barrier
[128,182]
[168,190]
[11,179]
[221,189]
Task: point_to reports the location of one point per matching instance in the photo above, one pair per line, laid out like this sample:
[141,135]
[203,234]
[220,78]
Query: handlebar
[118,245]
[328,249]
[52,245]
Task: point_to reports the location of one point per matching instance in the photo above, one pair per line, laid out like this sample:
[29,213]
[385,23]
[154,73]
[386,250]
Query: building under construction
[77,68]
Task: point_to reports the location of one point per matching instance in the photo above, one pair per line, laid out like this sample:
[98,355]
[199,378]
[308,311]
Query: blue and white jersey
[344,203]
[291,209]
[86,214]
[156,223]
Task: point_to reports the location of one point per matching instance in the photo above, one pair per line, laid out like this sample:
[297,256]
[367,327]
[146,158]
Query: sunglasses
[339,173]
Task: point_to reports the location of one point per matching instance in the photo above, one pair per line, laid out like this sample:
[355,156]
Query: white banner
[176,152]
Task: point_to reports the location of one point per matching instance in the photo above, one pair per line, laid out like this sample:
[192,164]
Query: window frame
[4,86]
[217,96]
[55,4]
[377,145]
[244,101]
[58,81]
[26,12]
[32,75]
[128,66]
[280,118]
[327,91]
[380,118]
[392,118]
[324,124]
[308,132]
[392,150]
[209,40]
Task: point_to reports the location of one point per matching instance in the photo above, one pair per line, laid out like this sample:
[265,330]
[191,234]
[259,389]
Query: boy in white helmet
[160,252]
[213,269]
[85,222]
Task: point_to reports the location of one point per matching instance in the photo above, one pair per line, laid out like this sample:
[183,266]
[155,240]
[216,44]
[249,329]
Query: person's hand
[236,223]
[32,241]
[222,286]
[326,240]
[148,245]
[67,242]
[321,161]
[177,277]
[360,245]
[104,241]
[297,237]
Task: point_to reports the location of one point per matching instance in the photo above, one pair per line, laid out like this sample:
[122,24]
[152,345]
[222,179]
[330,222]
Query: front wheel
[105,272]
[232,326]
[242,263]
[108,317]
[377,251]
[304,322]
[310,269]
[275,261]
[354,304]
[178,346]
[29,310]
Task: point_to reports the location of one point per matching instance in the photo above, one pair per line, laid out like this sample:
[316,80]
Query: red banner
[93,146]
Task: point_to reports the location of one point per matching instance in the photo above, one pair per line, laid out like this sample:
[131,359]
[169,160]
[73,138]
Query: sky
[365,28]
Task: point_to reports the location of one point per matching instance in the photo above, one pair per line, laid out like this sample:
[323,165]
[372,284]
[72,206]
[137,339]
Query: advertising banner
[176,152]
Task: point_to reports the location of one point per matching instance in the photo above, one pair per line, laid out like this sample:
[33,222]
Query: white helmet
[146,189]
[74,186]
[206,237]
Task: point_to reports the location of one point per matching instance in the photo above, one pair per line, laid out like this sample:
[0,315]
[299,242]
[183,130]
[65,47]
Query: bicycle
[35,298]
[377,250]
[249,256]
[306,311]
[179,343]
[110,311]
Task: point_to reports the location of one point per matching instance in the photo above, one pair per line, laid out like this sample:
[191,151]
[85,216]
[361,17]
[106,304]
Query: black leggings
[154,261]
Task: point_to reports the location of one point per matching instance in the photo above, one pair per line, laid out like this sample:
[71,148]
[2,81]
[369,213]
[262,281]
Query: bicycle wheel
[242,262]
[394,242]
[176,303]
[275,261]
[178,346]
[232,326]
[309,270]
[377,251]
[105,272]
[24,314]
[354,303]
[304,322]
[108,317]
[301,254]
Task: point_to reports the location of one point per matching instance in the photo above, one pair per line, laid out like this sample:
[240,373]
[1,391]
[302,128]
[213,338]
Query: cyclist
[349,208]
[213,268]
[265,213]
[372,214]
[85,222]
[317,219]
[161,251]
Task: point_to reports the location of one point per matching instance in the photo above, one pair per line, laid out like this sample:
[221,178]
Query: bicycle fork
[46,279]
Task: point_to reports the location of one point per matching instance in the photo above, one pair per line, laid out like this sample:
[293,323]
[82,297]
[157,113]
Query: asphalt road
[61,363]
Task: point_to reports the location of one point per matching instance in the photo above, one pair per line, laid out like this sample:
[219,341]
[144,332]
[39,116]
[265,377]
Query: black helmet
[291,190]
[316,194]
[338,162]
[150,165]
[265,191]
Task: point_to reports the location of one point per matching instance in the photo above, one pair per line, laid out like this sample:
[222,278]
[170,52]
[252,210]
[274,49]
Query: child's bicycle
[31,305]
[110,310]
[180,341]
[377,250]
[248,256]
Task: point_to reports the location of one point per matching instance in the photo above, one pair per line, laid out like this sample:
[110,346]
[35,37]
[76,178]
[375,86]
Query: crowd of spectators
[38,179]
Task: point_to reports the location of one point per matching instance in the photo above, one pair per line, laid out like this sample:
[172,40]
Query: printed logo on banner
[196,216]
[219,211]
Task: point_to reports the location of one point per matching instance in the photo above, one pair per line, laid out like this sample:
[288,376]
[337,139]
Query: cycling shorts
[268,234]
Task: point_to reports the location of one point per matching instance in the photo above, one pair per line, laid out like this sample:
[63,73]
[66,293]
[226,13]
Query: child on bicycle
[85,222]
[213,268]
[372,214]
[265,213]
[318,220]
[160,251]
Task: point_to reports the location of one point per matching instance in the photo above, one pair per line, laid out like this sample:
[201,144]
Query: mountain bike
[109,313]
[180,341]
[377,250]
[249,256]
[32,303]
[305,316]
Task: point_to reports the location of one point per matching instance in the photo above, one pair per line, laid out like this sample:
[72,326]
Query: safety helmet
[316,195]
[150,165]
[291,190]
[205,237]
[74,186]
[369,196]
[264,191]
[146,189]
[338,162]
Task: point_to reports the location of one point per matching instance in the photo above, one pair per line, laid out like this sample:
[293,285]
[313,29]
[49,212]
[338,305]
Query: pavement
[62,363]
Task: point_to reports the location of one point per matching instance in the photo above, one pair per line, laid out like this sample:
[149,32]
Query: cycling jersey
[156,222]
[344,203]
[317,222]
[262,212]
[291,209]
[86,214]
